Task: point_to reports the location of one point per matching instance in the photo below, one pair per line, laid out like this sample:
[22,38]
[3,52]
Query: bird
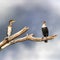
[45,31]
[9,28]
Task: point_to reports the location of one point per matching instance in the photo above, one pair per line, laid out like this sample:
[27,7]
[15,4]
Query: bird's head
[44,22]
[11,21]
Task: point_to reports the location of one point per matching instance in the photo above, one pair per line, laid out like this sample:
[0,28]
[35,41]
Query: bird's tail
[46,41]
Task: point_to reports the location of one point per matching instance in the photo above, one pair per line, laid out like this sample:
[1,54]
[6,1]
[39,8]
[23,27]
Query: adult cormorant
[45,31]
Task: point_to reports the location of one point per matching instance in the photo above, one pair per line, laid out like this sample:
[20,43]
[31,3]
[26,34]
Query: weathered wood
[28,37]
[8,39]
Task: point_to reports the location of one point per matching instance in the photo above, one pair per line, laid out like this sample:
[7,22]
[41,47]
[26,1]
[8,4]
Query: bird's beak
[13,21]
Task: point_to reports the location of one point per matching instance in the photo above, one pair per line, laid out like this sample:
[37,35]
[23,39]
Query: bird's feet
[46,40]
[42,38]
[6,38]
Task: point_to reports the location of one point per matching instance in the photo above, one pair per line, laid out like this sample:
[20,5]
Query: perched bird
[45,31]
[9,29]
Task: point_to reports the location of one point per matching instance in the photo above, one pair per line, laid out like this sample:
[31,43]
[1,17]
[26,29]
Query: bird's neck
[10,24]
[44,25]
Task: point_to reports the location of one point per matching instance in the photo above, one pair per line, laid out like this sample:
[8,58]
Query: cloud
[33,12]
[6,6]
[7,56]
[6,9]
[40,51]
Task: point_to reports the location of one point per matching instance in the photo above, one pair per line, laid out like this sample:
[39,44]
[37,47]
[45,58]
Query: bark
[11,40]
[28,37]
[8,39]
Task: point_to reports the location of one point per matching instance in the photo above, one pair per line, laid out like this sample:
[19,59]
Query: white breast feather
[9,31]
[43,25]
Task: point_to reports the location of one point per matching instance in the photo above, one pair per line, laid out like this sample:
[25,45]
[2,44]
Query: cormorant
[9,29]
[45,31]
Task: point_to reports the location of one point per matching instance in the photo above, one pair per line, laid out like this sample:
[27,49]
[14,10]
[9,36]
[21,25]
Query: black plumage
[45,31]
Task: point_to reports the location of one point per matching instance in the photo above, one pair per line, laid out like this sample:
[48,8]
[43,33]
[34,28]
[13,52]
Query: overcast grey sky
[31,13]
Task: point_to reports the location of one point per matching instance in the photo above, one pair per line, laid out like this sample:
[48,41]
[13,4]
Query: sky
[31,13]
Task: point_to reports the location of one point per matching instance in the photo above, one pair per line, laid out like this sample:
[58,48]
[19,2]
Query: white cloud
[6,6]
[39,51]
[26,54]
[8,55]
[55,6]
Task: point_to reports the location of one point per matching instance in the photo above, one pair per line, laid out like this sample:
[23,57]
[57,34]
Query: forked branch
[8,39]
[28,37]
[11,40]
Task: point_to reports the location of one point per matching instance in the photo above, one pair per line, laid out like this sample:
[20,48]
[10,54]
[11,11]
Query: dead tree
[11,40]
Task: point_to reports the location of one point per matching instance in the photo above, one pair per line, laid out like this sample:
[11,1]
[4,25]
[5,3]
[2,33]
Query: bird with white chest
[9,29]
[45,31]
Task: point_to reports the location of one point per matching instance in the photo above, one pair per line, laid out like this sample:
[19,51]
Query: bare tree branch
[11,40]
[28,37]
[8,39]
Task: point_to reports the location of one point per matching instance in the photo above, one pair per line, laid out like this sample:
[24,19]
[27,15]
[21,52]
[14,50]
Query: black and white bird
[9,29]
[45,31]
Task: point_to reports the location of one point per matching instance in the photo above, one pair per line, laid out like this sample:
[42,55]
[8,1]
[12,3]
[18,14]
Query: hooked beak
[13,21]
